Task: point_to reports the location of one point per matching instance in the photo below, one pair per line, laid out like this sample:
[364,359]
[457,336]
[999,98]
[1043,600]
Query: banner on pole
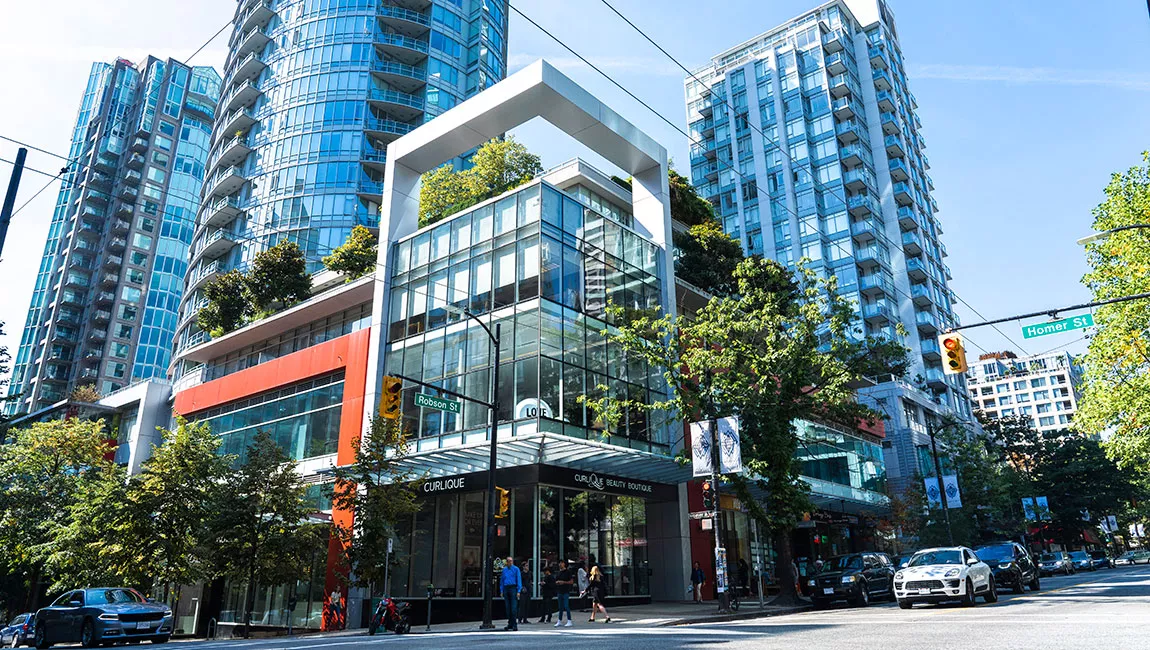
[730,451]
[953,494]
[701,449]
[1042,508]
[1028,512]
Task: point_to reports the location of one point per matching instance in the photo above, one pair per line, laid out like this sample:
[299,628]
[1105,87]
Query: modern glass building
[104,306]
[808,144]
[313,92]
[1043,387]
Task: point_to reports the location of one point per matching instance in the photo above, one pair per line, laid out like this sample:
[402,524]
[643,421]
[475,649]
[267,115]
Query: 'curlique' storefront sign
[550,475]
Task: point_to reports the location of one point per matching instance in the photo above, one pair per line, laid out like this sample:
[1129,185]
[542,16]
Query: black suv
[1012,565]
[855,578]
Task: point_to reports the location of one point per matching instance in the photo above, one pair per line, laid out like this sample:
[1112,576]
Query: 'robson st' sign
[432,402]
[1057,326]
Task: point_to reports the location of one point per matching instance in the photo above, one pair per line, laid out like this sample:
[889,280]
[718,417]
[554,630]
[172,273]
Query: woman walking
[597,590]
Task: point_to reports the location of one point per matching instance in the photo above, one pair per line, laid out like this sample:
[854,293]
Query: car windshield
[926,558]
[1079,555]
[1049,557]
[113,596]
[18,620]
[1000,553]
[843,563]
[1098,555]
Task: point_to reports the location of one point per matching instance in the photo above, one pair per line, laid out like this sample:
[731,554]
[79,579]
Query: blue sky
[1027,108]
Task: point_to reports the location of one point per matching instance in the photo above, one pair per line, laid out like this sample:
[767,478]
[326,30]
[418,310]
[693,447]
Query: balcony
[242,96]
[908,218]
[835,40]
[916,269]
[135,161]
[926,322]
[105,298]
[400,76]
[370,190]
[936,379]
[862,205]
[386,130]
[873,256]
[117,244]
[98,335]
[865,231]
[912,100]
[855,154]
[859,178]
[899,170]
[928,181]
[925,160]
[139,144]
[246,69]
[101,316]
[98,197]
[217,244]
[253,40]
[894,146]
[77,280]
[133,177]
[222,212]
[837,63]
[877,55]
[109,279]
[100,180]
[204,273]
[231,153]
[890,122]
[946,272]
[226,181]
[877,314]
[401,48]
[237,121]
[405,107]
[911,243]
[849,131]
[121,227]
[930,349]
[903,194]
[942,250]
[112,262]
[845,108]
[885,100]
[92,215]
[128,193]
[882,80]
[841,85]
[876,285]
[921,294]
[125,210]
[257,16]
[91,232]
[93,354]
[402,20]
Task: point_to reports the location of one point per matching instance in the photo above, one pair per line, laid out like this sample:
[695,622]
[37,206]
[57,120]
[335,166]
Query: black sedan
[854,578]
[102,616]
[18,632]
[1101,560]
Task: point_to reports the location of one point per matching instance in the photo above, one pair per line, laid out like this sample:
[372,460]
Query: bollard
[430,593]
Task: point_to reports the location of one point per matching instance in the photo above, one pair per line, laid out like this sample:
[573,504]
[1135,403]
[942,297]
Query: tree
[228,306]
[686,204]
[378,495]
[261,511]
[278,278]
[355,257]
[707,258]
[497,166]
[85,393]
[1116,396]
[779,349]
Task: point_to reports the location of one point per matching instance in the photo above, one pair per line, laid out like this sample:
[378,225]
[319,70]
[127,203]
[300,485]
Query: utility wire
[777,147]
[214,37]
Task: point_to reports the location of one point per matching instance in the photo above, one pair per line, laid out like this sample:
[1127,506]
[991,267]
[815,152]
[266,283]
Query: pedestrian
[511,584]
[745,577]
[547,590]
[582,575]
[697,580]
[336,607]
[597,590]
[564,581]
[525,595]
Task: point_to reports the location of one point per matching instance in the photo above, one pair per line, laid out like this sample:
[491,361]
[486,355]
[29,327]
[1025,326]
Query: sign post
[1058,326]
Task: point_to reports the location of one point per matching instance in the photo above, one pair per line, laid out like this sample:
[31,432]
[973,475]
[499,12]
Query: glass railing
[395,97]
[874,252]
[398,40]
[392,11]
[388,126]
[401,69]
[877,311]
[860,174]
[911,238]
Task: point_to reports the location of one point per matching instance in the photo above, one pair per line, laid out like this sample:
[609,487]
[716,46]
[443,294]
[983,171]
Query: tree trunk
[250,600]
[30,604]
[787,596]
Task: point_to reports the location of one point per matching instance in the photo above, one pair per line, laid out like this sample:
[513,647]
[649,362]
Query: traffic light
[391,403]
[708,495]
[954,353]
[504,502]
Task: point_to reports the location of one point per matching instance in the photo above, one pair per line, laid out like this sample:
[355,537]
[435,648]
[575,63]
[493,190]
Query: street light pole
[1098,236]
[938,477]
[489,530]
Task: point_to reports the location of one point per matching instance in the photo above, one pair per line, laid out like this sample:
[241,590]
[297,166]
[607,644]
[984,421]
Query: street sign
[433,402]
[1058,326]
[705,514]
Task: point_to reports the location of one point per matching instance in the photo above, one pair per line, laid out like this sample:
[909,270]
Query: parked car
[900,561]
[1059,562]
[1012,566]
[103,615]
[935,575]
[1082,561]
[855,578]
[1133,557]
[1101,560]
[18,632]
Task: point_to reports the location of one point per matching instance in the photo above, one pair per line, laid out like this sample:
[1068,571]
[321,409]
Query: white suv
[935,575]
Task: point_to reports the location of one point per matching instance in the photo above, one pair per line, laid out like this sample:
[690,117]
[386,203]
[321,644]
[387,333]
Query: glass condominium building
[806,141]
[104,305]
[313,92]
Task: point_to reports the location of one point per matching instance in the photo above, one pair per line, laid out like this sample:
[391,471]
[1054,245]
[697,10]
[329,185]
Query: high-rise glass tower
[807,143]
[313,92]
[104,305]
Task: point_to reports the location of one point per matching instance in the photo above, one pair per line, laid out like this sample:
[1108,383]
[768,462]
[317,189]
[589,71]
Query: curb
[741,616]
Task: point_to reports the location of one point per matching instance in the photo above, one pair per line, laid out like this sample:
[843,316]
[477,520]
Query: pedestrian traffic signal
[504,502]
[708,495]
[953,352]
[391,403]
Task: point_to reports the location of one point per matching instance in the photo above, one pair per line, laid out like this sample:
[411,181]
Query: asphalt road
[1103,609]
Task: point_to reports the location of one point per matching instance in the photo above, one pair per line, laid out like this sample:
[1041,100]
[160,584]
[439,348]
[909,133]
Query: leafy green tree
[781,348]
[707,257]
[356,256]
[228,306]
[85,393]
[261,510]
[278,278]
[378,494]
[1116,396]
[686,205]
[497,166]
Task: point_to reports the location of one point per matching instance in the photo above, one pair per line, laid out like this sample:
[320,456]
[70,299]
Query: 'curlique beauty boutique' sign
[550,475]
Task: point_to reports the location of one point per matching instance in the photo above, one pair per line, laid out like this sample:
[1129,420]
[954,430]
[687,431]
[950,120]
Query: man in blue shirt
[510,584]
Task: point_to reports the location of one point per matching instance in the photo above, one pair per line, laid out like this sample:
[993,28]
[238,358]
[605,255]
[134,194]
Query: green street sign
[1057,326]
[433,402]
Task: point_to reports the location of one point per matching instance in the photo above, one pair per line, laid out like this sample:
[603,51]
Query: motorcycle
[391,615]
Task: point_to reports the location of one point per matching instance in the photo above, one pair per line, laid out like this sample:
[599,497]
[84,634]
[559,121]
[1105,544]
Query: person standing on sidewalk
[597,589]
[697,580]
[511,583]
[564,581]
[525,595]
[582,575]
[547,590]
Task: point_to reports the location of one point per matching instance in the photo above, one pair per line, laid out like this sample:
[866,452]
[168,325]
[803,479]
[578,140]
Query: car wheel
[1019,585]
[863,598]
[88,634]
[41,638]
[968,598]
[991,595]
[905,604]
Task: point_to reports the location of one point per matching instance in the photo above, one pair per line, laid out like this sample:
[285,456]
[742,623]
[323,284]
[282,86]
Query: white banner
[701,448]
[933,496]
[1028,512]
[1043,508]
[730,450]
[953,494]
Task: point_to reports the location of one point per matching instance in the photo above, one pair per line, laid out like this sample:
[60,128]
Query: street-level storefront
[554,513]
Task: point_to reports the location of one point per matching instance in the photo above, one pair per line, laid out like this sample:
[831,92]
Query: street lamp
[1099,236]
